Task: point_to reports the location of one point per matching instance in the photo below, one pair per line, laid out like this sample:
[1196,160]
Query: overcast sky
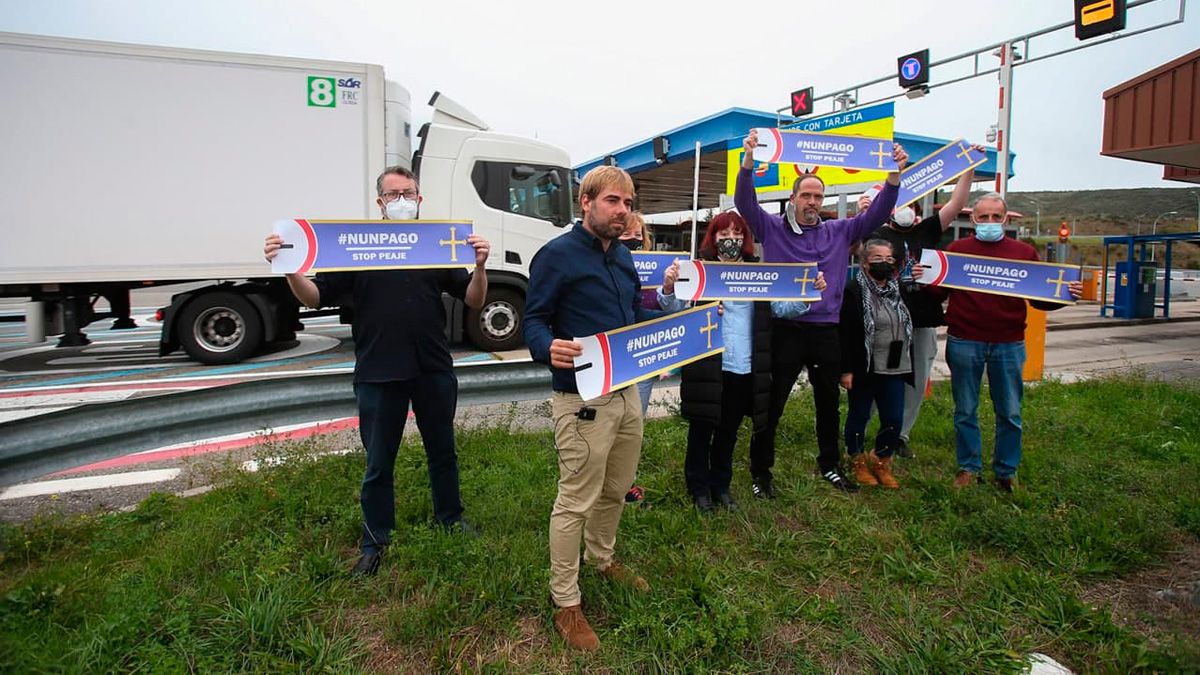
[594,77]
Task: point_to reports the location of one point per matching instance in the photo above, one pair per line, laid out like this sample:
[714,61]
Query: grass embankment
[252,576]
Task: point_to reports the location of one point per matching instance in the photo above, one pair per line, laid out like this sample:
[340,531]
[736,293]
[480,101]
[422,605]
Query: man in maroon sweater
[987,332]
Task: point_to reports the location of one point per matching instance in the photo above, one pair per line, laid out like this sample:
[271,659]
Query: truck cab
[516,190]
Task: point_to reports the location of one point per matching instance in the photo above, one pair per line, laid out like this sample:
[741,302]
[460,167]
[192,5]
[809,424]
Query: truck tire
[496,327]
[219,328]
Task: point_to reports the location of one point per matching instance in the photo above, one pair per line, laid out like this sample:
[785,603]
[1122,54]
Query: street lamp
[1154,229]
[1038,226]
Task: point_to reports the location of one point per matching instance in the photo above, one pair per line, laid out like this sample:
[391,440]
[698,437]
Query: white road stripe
[50,487]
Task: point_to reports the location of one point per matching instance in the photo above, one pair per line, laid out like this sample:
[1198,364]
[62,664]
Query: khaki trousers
[597,460]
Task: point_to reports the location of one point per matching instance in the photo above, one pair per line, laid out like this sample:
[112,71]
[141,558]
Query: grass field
[252,576]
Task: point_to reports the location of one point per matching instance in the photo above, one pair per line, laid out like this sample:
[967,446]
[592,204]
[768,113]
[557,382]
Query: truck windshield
[537,191]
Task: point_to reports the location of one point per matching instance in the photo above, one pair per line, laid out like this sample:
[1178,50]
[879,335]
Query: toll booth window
[537,191]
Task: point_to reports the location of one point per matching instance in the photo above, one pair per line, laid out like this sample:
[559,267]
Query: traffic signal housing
[802,102]
[1098,17]
[1064,233]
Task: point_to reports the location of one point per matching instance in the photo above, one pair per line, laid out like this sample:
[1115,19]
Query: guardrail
[35,446]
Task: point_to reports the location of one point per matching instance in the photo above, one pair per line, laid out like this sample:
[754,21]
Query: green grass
[251,576]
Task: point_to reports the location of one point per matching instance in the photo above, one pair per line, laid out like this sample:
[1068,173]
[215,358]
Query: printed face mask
[632,244]
[730,248]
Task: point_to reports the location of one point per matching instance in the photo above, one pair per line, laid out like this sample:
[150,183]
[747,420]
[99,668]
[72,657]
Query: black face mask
[632,244]
[881,271]
[730,248]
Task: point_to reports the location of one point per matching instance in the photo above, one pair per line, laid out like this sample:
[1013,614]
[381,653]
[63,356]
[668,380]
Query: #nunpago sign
[843,152]
[705,280]
[621,357]
[940,167]
[346,245]
[651,265]
[1032,280]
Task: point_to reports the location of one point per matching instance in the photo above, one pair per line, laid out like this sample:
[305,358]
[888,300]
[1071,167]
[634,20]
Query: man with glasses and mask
[908,237]
[401,357]
[986,332]
[810,341]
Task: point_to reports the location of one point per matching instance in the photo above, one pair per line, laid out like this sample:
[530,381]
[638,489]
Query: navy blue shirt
[399,324]
[577,289]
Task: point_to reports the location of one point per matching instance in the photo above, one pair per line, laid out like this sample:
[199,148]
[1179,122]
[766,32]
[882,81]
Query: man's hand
[1075,288]
[749,144]
[670,276]
[563,353]
[482,248]
[272,245]
[847,381]
[820,284]
[901,158]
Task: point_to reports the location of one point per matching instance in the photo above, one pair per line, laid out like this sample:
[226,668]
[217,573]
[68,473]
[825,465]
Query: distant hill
[1108,211]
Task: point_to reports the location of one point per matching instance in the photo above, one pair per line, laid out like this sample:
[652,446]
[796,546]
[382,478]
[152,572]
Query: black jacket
[700,391]
[850,331]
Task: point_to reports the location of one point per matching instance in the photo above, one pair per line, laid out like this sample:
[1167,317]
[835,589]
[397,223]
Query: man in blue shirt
[580,284]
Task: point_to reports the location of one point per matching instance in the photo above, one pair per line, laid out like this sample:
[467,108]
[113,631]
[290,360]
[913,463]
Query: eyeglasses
[877,259]
[409,194]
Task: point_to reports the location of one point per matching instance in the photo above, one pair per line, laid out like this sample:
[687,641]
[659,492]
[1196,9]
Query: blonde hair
[636,219]
[604,177]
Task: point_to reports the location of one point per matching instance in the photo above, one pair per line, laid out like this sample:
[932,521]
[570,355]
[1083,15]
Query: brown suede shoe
[882,470]
[964,479]
[862,474]
[574,629]
[1006,484]
[624,576]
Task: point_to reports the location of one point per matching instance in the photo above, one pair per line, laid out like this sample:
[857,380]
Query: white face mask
[904,217]
[401,209]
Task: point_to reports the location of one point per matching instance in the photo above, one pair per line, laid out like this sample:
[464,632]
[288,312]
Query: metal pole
[1004,123]
[695,198]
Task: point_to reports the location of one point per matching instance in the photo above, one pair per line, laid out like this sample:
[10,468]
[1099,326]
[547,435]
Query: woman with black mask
[876,361]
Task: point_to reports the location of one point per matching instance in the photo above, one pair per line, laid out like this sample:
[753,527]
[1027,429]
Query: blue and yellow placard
[1029,279]
[621,357]
[935,170]
[345,245]
[705,280]
[846,152]
[650,265]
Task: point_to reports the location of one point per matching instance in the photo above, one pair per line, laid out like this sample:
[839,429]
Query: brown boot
[862,473]
[574,629]
[881,467]
[964,479]
[624,576]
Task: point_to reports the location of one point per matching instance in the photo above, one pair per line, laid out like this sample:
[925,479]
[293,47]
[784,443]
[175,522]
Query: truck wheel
[496,327]
[218,328]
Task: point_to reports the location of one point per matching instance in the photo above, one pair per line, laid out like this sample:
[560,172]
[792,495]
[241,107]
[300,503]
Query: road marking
[221,444]
[50,487]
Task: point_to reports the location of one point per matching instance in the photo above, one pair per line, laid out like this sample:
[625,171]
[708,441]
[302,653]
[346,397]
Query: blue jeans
[887,393]
[644,388]
[382,413]
[1003,362]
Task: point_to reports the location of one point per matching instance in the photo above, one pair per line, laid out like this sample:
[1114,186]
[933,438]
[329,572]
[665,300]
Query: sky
[595,77]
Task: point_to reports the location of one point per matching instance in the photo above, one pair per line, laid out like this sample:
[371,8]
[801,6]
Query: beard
[809,216]
[605,229]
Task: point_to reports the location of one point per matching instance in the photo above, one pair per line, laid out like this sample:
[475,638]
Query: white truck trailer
[127,166]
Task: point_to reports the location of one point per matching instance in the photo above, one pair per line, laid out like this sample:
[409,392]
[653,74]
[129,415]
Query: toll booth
[1133,297]
[1136,283]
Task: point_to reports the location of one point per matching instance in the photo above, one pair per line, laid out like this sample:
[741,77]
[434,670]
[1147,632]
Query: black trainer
[367,565]
[835,478]
[902,450]
[763,488]
[725,500]
[704,504]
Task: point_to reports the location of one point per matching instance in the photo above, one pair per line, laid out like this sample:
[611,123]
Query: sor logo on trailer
[328,92]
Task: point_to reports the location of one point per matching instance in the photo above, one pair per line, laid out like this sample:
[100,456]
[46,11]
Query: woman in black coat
[717,392]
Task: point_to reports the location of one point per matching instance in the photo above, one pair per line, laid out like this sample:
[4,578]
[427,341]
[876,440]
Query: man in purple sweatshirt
[812,340]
